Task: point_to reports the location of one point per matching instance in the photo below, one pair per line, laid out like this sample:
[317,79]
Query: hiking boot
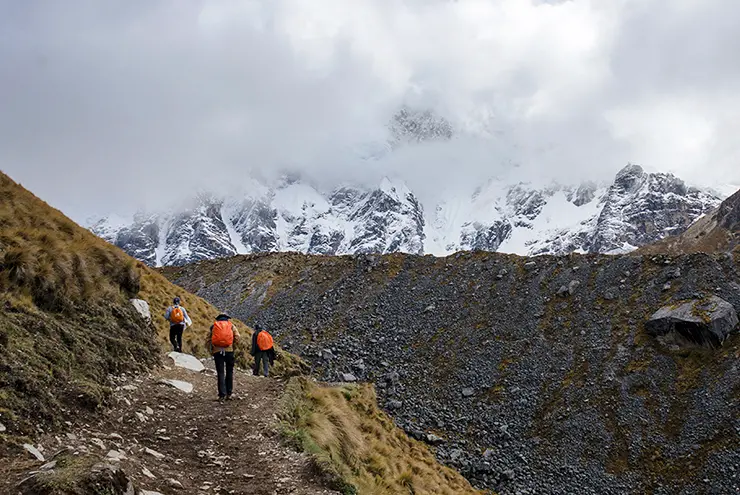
[229,397]
[220,400]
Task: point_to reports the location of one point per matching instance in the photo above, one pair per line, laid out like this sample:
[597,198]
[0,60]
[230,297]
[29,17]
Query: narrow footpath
[170,441]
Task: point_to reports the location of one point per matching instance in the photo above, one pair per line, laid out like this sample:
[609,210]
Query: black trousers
[225,371]
[262,357]
[176,336]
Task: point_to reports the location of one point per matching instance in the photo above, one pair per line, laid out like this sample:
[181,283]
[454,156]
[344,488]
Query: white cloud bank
[112,105]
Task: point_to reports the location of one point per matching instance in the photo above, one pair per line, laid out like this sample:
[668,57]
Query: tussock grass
[358,447]
[65,320]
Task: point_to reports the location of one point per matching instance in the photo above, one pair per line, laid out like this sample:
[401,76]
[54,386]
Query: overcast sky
[107,105]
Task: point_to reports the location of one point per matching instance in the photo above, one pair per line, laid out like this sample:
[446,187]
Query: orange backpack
[176,315]
[264,341]
[223,334]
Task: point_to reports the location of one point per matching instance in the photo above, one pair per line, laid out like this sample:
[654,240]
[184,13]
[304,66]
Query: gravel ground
[529,375]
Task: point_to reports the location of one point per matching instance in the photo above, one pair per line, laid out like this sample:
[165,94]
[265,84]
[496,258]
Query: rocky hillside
[505,215]
[717,231]
[530,375]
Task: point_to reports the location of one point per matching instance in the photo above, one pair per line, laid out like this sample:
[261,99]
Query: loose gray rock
[34,452]
[702,321]
[142,307]
[186,387]
[186,361]
[154,453]
[173,483]
[2,428]
[468,392]
[433,439]
[573,286]
[348,377]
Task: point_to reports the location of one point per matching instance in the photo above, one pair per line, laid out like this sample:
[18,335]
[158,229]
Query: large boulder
[143,308]
[701,321]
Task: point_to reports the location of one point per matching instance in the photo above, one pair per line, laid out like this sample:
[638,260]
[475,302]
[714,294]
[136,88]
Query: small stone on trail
[173,483]
[34,451]
[98,442]
[48,466]
[178,384]
[468,392]
[154,453]
[115,455]
[147,473]
[249,476]
[186,361]
[149,410]
[2,428]
[148,492]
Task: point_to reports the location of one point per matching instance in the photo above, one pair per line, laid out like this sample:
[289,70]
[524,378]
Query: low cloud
[118,105]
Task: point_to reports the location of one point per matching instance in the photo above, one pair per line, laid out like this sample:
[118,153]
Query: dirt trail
[197,445]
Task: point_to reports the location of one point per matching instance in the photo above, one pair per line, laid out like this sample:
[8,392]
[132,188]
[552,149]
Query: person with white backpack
[179,321]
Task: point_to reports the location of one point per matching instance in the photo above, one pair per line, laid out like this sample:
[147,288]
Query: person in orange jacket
[222,338]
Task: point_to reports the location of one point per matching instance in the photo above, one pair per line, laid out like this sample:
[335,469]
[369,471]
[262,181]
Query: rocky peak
[728,213]
[415,126]
[629,179]
[585,193]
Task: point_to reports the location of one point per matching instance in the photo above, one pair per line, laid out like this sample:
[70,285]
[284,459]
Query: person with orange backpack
[222,338]
[179,320]
[263,350]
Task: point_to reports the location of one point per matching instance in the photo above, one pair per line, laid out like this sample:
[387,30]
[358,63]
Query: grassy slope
[65,320]
[359,446]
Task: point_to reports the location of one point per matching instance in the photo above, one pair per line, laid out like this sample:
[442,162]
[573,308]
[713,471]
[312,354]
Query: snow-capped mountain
[636,209]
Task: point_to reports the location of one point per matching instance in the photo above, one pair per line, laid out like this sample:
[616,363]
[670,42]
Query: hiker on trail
[221,340]
[179,321]
[262,350]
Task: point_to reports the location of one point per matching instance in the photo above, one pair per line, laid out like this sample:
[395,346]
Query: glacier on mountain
[635,209]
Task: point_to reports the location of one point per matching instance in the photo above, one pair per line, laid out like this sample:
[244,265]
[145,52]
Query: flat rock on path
[186,361]
[207,447]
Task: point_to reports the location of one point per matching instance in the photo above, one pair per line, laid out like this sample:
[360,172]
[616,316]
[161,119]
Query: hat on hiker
[176,300]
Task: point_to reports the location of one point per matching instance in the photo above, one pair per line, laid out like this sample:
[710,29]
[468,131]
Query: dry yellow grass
[49,263]
[359,447]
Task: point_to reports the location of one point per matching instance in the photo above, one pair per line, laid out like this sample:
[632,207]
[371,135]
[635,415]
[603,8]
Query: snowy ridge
[636,209]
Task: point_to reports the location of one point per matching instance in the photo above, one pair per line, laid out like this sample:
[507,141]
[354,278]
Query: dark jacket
[254,350]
